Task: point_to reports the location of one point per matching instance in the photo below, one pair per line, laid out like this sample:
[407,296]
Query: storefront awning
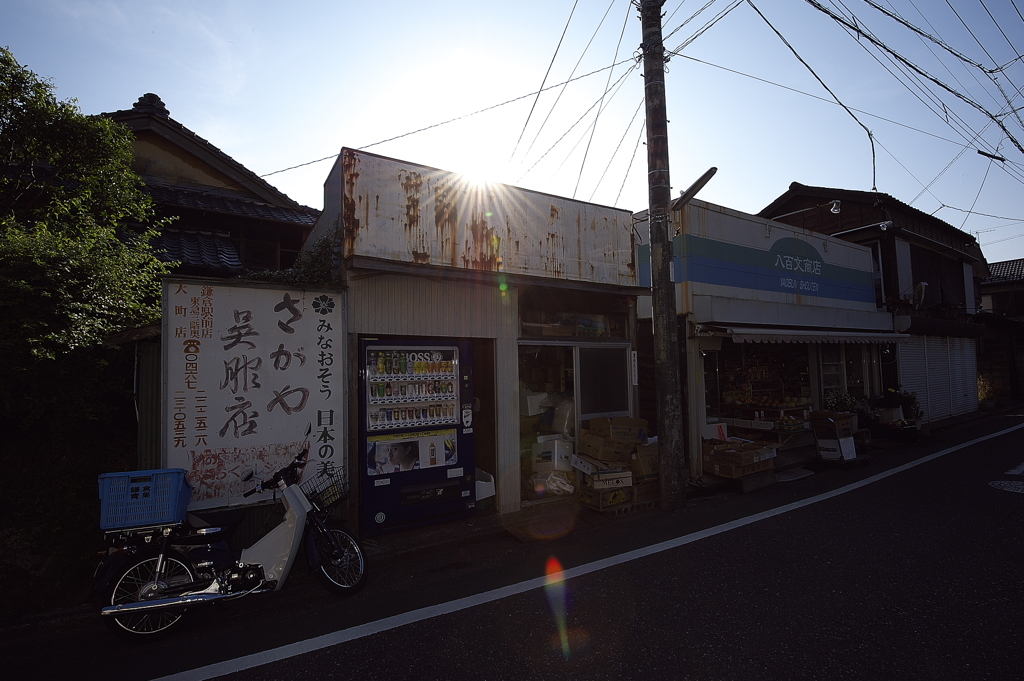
[748,334]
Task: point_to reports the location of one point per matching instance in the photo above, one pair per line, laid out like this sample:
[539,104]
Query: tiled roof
[198,249]
[1007,270]
[204,200]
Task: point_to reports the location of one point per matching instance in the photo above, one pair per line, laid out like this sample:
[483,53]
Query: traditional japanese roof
[1005,271]
[197,249]
[209,201]
[855,195]
[150,115]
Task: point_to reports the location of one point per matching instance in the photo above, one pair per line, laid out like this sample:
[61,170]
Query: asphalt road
[892,570]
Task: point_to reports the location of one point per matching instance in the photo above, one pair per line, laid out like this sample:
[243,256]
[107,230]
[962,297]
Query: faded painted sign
[246,370]
[393,210]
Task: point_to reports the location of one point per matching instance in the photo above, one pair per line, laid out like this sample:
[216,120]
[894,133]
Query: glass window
[604,382]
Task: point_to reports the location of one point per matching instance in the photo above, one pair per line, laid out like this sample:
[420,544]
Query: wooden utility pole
[671,433]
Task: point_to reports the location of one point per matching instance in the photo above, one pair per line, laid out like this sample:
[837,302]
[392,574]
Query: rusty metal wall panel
[411,213]
[423,308]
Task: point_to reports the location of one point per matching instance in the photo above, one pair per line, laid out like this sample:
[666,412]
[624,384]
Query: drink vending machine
[416,433]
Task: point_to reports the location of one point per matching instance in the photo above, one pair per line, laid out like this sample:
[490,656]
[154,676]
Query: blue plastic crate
[141,498]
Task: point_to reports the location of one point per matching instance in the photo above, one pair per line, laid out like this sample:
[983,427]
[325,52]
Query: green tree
[74,264]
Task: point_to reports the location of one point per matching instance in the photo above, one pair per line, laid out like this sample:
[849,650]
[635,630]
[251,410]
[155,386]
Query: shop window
[758,382]
[848,368]
[561,386]
[604,382]
[833,368]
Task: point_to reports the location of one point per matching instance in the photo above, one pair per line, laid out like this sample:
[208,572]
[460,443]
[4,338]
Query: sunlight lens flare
[554,589]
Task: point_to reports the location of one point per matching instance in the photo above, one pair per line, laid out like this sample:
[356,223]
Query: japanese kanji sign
[246,369]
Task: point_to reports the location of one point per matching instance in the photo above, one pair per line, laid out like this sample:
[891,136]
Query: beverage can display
[403,367]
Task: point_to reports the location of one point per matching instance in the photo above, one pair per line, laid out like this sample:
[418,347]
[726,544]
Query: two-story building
[926,274]
[772,317]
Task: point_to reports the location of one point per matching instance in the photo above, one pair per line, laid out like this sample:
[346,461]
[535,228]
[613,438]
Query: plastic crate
[142,498]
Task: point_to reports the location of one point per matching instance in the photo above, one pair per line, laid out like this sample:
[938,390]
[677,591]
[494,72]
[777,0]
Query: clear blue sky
[275,85]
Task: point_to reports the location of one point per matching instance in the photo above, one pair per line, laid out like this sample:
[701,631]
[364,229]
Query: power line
[546,74]
[961,127]
[578,120]
[597,115]
[854,27]
[617,147]
[571,74]
[871,138]
[643,127]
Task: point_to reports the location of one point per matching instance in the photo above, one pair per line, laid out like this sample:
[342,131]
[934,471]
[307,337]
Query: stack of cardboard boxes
[751,463]
[615,464]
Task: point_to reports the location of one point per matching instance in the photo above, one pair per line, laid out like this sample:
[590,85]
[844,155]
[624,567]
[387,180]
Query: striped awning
[750,334]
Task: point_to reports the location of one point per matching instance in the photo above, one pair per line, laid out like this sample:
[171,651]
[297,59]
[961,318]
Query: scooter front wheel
[138,582]
[342,566]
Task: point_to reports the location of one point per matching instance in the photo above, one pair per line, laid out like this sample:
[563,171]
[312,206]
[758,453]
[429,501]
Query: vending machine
[416,433]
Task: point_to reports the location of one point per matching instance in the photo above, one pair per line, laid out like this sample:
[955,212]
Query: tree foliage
[75,266]
[75,263]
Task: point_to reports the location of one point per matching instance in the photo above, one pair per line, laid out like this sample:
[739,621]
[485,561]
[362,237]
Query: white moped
[152,574]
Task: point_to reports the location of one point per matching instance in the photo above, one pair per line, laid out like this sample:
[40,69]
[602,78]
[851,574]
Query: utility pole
[671,434]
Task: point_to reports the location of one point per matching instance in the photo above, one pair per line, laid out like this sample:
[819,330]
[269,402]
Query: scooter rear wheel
[137,583]
[342,569]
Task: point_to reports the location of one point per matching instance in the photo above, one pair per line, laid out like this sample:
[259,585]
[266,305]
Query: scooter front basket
[327,487]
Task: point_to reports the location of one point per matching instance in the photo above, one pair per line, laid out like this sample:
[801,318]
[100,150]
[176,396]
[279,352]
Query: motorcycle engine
[211,559]
[244,578]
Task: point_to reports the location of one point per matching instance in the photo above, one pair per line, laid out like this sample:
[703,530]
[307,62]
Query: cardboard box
[553,455]
[604,449]
[646,491]
[608,480]
[842,449]
[718,431]
[843,424]
[600,499]
[530,402]
[742,455]
[645,462]
[620,429]
[727,470]
[590,465]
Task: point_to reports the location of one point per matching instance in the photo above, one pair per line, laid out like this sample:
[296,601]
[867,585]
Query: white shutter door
[965,368]
[914,371]
[939,377]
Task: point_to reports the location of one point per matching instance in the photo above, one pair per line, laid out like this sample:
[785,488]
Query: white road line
[353,633]
[1019,470]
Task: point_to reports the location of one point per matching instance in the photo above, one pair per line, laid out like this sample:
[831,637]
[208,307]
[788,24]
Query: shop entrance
[562,386]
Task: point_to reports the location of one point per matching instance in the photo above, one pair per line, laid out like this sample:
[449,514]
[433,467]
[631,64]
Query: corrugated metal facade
[413,236]
[391,304]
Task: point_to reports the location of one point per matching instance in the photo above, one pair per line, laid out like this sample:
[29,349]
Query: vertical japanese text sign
[246,369]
